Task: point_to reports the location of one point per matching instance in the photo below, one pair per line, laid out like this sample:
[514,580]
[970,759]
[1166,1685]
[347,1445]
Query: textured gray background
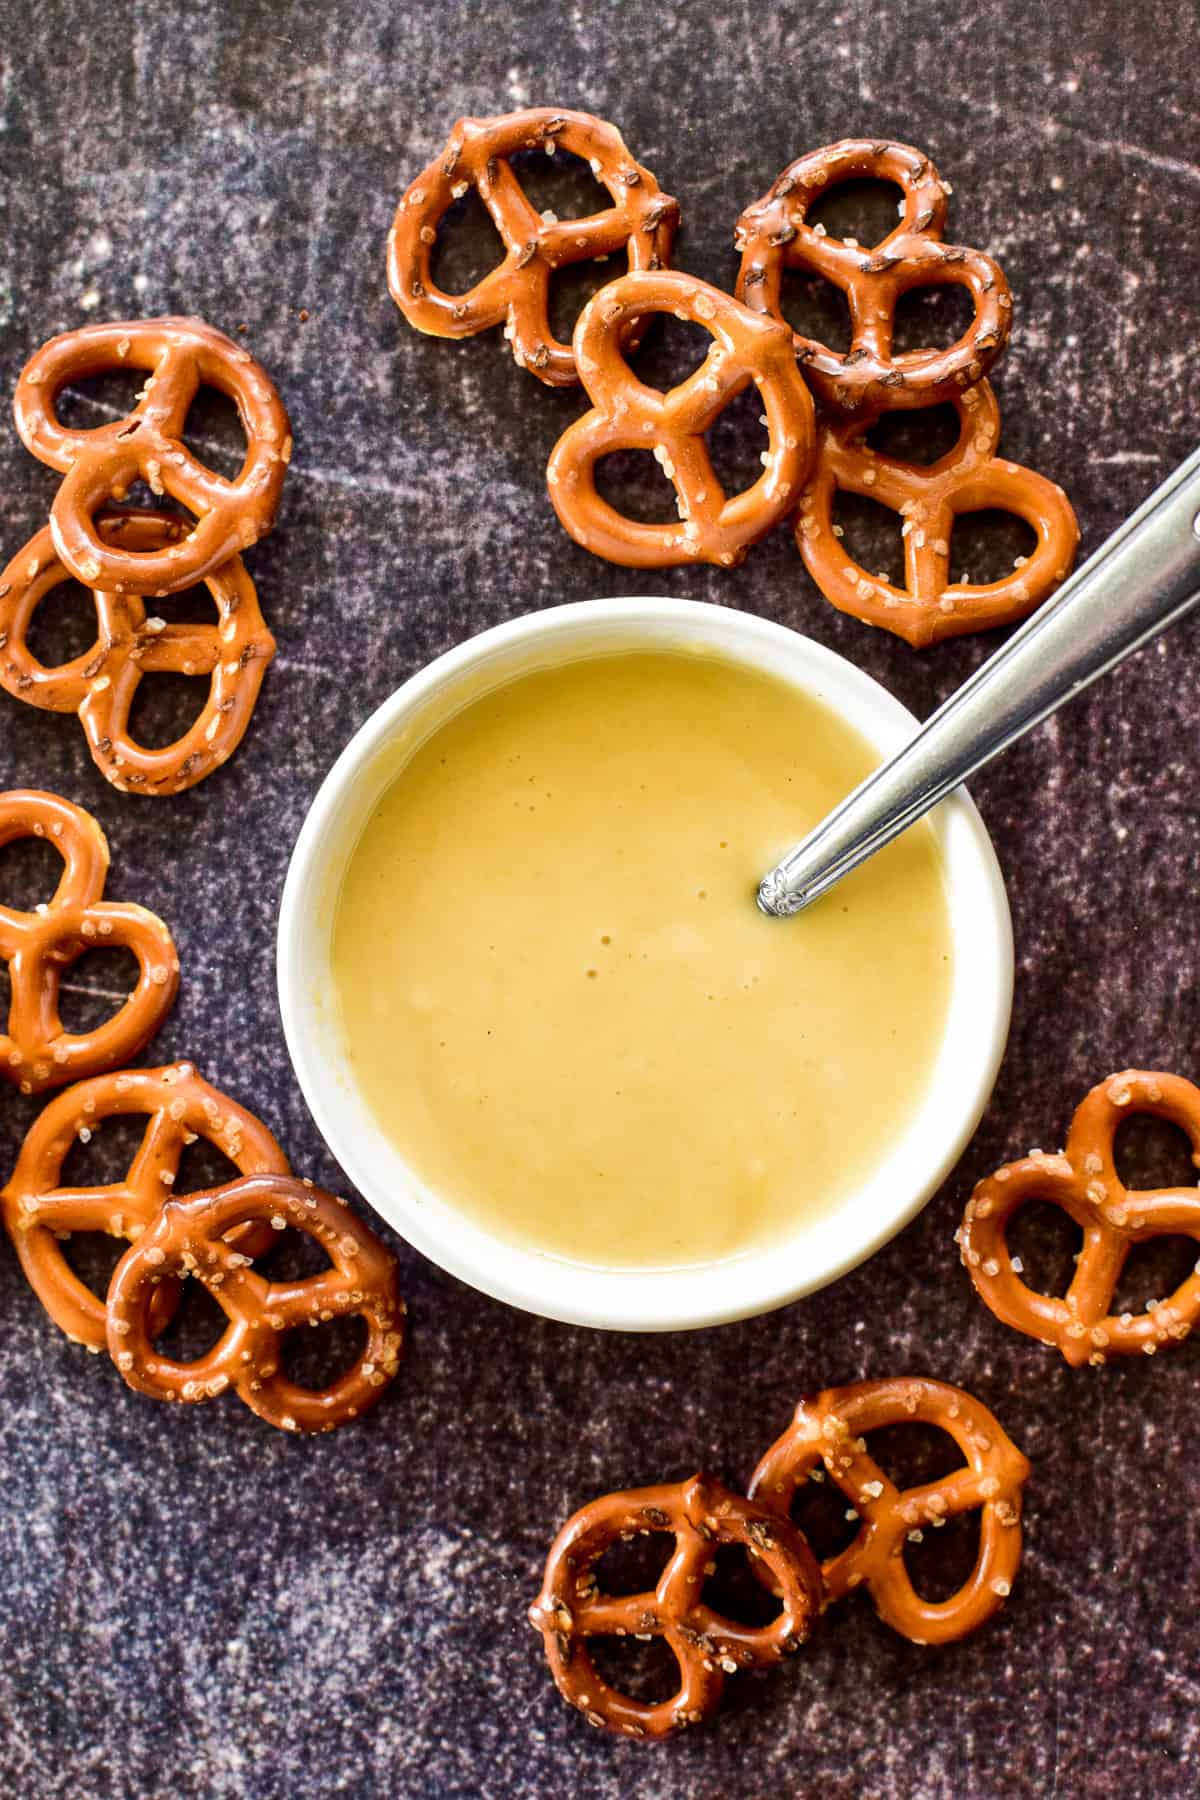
[194,1605]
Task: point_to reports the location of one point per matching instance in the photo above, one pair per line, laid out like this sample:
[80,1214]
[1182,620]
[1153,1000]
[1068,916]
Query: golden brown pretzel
[642,221]
[773,235]
[39,946]
[1083,1181]
[193,1237]
[701,1515]
[100,684]
[179,1107]
[930,497]
[828,1432]
[628,415]
[179,356]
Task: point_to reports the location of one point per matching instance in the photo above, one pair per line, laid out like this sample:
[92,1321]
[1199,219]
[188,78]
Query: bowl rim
[689,1296]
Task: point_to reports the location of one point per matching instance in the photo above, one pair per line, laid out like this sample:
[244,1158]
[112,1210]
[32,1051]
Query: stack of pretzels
[127,557]
[814,450]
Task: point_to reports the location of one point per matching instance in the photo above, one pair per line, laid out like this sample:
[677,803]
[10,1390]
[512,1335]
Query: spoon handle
[1144,578]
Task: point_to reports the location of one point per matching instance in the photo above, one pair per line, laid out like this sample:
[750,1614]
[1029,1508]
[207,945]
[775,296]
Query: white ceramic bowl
[633,1299]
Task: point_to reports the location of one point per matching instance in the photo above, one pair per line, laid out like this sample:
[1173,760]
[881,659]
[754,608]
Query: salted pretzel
[930,497]
[100,684]
[773,235]
[827,1434]
[179,1106]
[701,1515]
[641,221]
[36,1052]
[628,415]
[192,1237]
[1083,1181]
[179,356]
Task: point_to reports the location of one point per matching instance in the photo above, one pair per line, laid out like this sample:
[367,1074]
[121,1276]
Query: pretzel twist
[195,1237]
[773,235]
[99,686]
[641,221]
[628,415]
[701,1515]
[179,1106]
[828,1431]
[36,1051]
[1083,1181]
[930,497]
[100,464]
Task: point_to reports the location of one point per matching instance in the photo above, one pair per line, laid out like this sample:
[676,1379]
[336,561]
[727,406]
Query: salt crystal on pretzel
[970,477]
[628,415]
[194,1237]
[36,1051]
[1084,1182]
[641,222]
[179,1106]
[870,377]
[701,1516]
[827,1435]
[99,464]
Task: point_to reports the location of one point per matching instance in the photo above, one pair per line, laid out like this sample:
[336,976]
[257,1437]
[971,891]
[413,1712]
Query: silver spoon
[1144,578]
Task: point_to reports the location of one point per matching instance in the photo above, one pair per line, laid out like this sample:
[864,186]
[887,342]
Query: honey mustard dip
[561,1001]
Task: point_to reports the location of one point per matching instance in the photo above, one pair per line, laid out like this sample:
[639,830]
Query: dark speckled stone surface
[194,1605]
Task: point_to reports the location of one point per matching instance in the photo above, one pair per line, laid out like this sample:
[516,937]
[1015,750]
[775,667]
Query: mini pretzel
[828,1431]
[192,1237]
[969,478]
[36,1052]
[628,415]
[641,221]
[100,684]
[701,1515]
[773,235]
[1084,1182]
[179,1106]
[179,356]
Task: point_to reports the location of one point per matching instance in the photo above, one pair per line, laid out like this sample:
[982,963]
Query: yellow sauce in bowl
[561,1002]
